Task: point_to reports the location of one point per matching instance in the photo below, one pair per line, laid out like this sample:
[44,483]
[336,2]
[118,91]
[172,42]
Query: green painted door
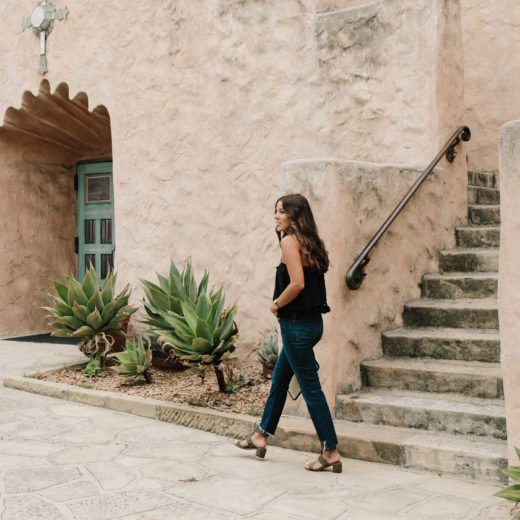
[95,218]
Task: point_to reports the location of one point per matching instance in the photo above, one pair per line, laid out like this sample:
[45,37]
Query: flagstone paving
[61,460]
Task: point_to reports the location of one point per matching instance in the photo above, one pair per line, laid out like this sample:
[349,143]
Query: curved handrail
[356,273]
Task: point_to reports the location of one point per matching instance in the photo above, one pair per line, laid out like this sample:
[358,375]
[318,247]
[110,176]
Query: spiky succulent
[202,334]
[135,361]
[190,321]
[268,353]
[84,310]
[170,293]
[512,492]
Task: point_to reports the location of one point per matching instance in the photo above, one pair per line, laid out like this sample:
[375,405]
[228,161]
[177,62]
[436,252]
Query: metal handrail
[356,274]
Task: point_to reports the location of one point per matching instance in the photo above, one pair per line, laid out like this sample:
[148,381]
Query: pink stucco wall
[208,99]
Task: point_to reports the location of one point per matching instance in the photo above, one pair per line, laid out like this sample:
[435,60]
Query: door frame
[84,169]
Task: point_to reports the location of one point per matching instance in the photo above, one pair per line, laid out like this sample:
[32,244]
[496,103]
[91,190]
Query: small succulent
[93,367]
[268,353]
[84,310]
[135,361]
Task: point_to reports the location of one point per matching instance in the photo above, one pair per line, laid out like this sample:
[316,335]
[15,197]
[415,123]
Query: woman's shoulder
[289,241]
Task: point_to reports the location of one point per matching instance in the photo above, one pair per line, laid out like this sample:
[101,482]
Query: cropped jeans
[297,357]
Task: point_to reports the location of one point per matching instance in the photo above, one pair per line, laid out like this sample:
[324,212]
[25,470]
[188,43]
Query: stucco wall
[491,74]
[205,104]
[508,279]
[208,99]
[37,235]
[394,79]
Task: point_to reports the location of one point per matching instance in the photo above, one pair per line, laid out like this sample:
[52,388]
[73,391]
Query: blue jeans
[297,357]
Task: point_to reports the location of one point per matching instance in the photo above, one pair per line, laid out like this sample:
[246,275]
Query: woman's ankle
[260,437]
[332,454]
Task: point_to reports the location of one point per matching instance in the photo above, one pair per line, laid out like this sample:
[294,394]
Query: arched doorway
[42,144]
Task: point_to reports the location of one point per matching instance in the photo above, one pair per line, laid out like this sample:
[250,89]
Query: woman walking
[299,301]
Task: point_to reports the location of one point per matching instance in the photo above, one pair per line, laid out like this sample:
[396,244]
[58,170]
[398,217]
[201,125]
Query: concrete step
[469,313]
[485,179]
[482,215]
[481,236]
[481,195]
[443,343]
[448,413]
[471,378]
[459,285]
[470,259]
[476,458]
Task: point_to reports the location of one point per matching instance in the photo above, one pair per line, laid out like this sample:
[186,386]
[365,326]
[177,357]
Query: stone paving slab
[138,468]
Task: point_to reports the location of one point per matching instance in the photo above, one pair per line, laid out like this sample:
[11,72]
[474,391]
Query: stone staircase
[435,400]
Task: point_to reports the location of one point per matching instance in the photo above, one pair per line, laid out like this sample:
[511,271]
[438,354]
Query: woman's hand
[274,308]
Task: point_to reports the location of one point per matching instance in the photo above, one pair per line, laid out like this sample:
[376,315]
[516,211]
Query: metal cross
[41,20]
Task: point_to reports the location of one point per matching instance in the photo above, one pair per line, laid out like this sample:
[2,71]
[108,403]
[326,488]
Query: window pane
[106,231]
[106,265]
[97,188]
[90,231]
[90,259]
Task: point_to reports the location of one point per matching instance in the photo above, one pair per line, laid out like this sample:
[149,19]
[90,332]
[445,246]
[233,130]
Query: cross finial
[41,20]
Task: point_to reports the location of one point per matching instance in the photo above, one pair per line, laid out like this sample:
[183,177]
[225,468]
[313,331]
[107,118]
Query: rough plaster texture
[508,280]
[393,79]
[351,201]
[337,5]
[37,215]
[207,100]
[491,74]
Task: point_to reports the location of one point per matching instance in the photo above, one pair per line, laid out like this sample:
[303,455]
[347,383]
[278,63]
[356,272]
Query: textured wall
[37,232]
[242,95]
[508,279]
[389,68]
[206,102]
[336,5]
[208,99]
[491,74]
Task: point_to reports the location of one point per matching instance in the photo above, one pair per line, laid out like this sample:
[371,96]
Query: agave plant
[512,493]
[135,361]
[191,322]
[171,291]
[84,310]
[268,353]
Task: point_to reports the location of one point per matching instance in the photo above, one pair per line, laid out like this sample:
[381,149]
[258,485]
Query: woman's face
[281,219]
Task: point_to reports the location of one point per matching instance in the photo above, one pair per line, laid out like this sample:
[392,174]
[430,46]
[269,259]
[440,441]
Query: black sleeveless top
[310,303]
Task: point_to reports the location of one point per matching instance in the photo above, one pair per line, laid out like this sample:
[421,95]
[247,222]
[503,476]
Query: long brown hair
[303,226]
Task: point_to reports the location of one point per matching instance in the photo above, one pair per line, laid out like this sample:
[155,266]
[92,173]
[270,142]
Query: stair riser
[459,288]
[484,215]
[468,262]
[452,318]
[424,458]
[456,463]
[479,195]
[433,420]
[485,351]
[435,382]
[477,237]
[484,179]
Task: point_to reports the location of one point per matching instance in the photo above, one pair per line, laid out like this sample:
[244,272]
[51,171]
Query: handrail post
[356,274]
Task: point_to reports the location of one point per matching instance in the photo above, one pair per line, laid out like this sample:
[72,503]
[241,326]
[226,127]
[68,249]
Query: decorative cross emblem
[41,21]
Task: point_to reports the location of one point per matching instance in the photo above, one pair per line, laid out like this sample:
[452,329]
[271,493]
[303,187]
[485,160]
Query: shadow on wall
[40,144]
[45,338]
